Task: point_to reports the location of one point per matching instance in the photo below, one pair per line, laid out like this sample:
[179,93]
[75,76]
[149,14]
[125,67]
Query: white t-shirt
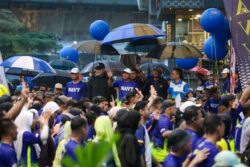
[245,135]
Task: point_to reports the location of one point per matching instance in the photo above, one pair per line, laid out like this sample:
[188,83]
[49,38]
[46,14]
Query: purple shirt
[164,124]
[7,155]
[76,90]
[172,161]
[70,149]
[124,87]
[29,139]
[194,138]
[213,150]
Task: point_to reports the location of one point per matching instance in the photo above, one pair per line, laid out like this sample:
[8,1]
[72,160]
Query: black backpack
[245,156]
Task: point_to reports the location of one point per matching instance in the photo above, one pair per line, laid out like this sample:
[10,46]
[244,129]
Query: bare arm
[245,95]
[16,109]
[166,134]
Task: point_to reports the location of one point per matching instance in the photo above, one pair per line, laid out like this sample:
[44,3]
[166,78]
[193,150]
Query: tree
[15,37]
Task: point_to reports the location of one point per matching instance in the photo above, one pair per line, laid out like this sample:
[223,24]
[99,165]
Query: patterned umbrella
[95,47]
[175,50]
[131,31]
[28,63]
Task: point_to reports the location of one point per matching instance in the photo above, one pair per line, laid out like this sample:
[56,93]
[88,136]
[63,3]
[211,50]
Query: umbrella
[199,70]
[131,31]
[175,50]
[95,47]
[115,66]
[143,44]
[150,66]
[50,80]
[62,64]
[28,63]
[21,72]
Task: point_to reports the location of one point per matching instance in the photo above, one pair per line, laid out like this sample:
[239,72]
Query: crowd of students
[161,123]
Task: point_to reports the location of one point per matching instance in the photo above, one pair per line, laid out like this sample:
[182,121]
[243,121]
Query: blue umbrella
[62,64]
[128,32]
[28,63]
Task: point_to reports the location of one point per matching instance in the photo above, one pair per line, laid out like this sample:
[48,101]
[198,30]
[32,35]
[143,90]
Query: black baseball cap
[99,66]
[166,104]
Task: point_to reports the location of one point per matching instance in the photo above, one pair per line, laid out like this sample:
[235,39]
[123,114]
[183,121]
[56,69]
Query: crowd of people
[160,123]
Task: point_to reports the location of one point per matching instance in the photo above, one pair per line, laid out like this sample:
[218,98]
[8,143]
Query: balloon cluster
[214,22]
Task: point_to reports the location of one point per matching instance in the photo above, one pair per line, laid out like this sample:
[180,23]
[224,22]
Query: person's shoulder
[171,161]
[6,150]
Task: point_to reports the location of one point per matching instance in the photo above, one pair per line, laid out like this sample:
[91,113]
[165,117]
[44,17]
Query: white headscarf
[51,106]
[24,122]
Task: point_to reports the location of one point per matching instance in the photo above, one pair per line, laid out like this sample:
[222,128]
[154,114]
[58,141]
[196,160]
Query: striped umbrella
[95,47]
[128,32]
[175,50]
[28,63]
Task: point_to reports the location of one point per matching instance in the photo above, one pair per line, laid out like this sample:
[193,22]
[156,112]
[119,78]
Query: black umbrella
[50,80]
[115,66]
[143,44]
[62,64]
[150,66]
[175,50]
[21,72]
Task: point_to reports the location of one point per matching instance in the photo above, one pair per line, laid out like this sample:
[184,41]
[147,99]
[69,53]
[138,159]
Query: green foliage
[16,38]
[93,154]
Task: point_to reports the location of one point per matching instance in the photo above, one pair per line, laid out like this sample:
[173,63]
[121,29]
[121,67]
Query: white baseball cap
[127,70]
[225,71]
[75,70]
[209,73]
[188,104]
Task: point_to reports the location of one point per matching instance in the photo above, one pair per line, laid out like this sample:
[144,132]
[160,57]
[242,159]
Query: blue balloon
[214,49]
[211,20]
[224,34]
[187,64]
[99,29]
[69,53]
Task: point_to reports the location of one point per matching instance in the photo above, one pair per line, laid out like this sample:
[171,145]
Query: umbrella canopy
[50,80]
[28,63]
[95,47]
[115,66]
[21,72]
[132,31]
[143,44]
[175,50]
[199,70]
[150,66]
[62,64]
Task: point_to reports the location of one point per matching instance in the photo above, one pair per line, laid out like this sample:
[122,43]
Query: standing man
[101,83]
[210,83]
[163,129]
[214,131]
[8,133]
[76,89]
[125,85]
[178,88]
[226,83]
[160,84]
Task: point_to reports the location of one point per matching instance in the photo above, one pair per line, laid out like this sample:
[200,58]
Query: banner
[3,80]
[238,13]
[232,71]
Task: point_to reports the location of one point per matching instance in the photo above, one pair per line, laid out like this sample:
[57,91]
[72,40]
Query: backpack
[245,156]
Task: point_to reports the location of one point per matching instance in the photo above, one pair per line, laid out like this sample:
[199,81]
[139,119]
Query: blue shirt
[7,155]
[91,133]
[226,86]
[212,105]
[70,149]
[172,161]
[124,87]
[181,88]
[164,124]
[209,84]
[213,151]
[140,135]
[194,138]
[29,139]
[76,90]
